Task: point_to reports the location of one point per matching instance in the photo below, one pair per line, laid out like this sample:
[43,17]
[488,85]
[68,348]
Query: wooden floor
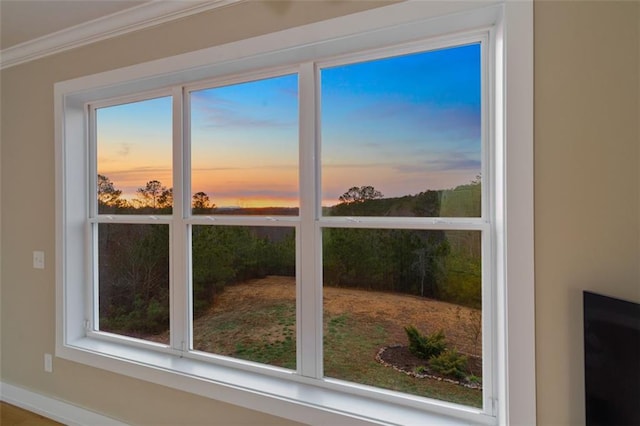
[11,415]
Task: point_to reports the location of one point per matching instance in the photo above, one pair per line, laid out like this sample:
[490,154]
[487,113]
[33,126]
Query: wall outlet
[38,259]
[48,363]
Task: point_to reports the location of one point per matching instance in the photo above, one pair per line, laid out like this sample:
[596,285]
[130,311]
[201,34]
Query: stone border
[422,375]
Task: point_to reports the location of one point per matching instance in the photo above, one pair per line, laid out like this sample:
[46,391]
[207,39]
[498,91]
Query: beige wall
[587,214]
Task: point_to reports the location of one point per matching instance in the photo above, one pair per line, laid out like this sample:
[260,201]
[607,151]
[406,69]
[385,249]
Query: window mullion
[179,297]
[93,162]
[489,266]
[309,292]
[91,310]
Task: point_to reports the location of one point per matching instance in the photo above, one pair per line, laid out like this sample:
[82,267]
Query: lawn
[255,321]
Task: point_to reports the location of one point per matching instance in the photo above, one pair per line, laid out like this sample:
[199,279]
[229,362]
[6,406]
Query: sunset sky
[403,125]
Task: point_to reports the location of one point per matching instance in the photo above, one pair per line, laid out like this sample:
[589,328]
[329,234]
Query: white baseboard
[53,409]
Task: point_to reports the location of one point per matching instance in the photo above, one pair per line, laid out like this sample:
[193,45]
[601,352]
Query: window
[401,144]
[315,222]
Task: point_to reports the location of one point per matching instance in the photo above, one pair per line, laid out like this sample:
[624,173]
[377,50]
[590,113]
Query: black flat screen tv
[611,360]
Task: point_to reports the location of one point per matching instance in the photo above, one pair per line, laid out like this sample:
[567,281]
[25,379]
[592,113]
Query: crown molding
[116,24]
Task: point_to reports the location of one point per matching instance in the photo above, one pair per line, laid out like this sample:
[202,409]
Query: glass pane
[244,293]
[402,136]
[402,311]
[244,148]
[133,271]
[134,157]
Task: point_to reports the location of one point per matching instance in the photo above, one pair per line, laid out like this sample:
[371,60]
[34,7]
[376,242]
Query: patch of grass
[265,333]
[261,328]
[335,327]
[350,345]
[281,353]
[273,340]
[227,325]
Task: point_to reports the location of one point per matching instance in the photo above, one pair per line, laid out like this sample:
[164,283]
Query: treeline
[133,278]
[153,198]
[422,263]
[225,255]
[462,201]
[134,258]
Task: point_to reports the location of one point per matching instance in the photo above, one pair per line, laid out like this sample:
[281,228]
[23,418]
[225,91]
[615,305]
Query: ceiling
[26,20]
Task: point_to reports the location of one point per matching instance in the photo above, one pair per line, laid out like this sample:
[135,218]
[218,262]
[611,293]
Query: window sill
[295,398]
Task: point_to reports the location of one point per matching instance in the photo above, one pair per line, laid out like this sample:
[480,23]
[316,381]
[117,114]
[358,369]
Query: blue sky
[134,143]
[244,142]
[404,125]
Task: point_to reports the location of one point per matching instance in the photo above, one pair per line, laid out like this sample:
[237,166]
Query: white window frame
[271,390]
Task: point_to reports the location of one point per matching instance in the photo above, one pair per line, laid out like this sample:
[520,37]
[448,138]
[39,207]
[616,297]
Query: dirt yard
[461,325]
[255,321]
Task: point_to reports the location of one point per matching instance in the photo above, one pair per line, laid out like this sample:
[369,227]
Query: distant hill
[462,201]
[257,211]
